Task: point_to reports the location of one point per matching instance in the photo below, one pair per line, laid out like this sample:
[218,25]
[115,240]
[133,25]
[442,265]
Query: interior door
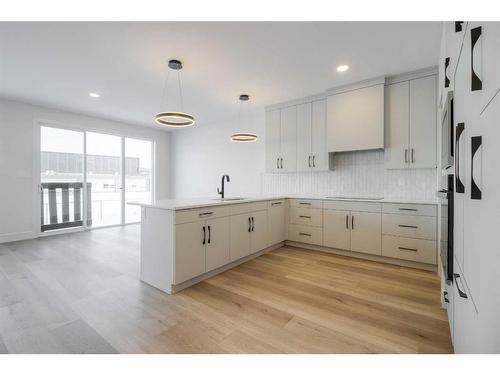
[273,140]
[366,232]
[336,232]
[397,125]
[318,136]
[304,154]
[190,240]
[288,160]
[423,122]
[258,235]
[217,244]
[240,227]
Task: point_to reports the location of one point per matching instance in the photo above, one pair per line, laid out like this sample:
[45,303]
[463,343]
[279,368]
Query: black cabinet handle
[277,163]
[305,234]
[305,203]
[445,294]
[413,155]
[458,26]
[407,248]
[352,222]
[406,155]
[460,293]
[309,161]
[407,226]
[205,214]
[305,216]
[281,163]
[249,225]
[459,186]
[446,79]
[204,236]
[408,209]
[346,221]
[314,161]
[475,192]
[476,80]
[209,234]
[276,203]
[253,224]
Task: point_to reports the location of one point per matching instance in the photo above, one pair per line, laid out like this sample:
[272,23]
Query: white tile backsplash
[360,174]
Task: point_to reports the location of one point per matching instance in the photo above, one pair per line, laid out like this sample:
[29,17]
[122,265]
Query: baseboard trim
[18,236]
[375,258]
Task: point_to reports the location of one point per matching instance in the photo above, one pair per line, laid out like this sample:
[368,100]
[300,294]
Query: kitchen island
[184,241]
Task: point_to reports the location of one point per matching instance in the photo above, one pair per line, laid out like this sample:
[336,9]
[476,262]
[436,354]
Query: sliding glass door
[88,177]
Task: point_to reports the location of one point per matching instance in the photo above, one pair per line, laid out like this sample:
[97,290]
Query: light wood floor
[79,293]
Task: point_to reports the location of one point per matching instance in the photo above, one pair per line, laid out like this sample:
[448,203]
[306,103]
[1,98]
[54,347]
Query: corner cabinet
[410,124]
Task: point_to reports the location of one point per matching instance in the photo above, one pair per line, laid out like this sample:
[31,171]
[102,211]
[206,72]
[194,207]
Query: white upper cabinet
[304,134]
[355,119]
[423,107]
[318,136]
[288,158]
[273,140]
[397,124]
[410,122]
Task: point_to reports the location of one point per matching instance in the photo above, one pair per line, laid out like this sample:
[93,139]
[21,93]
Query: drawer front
[276,203]
[306,216]
[189,216]
[423,227]
[410,209]
[243,208]
[311,203]
[306,234]
[353,206]
[423,251]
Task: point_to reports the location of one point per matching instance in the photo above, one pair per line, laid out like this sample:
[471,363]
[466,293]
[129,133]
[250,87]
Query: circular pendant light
[243,137]
[174,119]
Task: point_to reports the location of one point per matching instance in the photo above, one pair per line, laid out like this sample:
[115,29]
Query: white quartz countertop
[188,203]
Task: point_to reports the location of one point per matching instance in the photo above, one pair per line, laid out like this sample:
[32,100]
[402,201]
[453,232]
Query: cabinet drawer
[311,203]
[423,227]
[276,203]
[242,208]
[306,216]
[306,234]
[352,206]
[423,251]
[410,209]
[189,216]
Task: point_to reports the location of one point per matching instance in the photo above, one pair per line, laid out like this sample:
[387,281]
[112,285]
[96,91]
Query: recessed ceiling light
[342,68]
[94,95]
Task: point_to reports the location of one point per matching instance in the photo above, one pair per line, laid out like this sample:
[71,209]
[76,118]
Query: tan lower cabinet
[416,250]
[190,239]
[366,232]
[276,221]
[258,232]
[305,234]
[336,229]
[240,227]
[217,243]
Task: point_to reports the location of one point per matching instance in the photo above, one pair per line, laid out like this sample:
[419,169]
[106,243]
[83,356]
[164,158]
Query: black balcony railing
[63,208]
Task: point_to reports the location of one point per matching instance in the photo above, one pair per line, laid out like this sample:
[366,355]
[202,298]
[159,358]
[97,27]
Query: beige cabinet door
[288,159]
[217,249]
[277,225]
[190,239]
[366,232]
[336,232]
[318,136]
[304,154]
[258,234]
[423,123]
[240,227]
[273,141]
[397,125]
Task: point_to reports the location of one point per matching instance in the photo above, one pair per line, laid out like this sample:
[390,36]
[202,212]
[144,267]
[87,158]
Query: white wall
[203,153]
[19,150]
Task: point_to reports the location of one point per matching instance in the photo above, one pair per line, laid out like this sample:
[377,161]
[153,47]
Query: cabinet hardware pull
[204,236]
[406,248]
[475,191]
[445,294]
[460,293]
[352,222]
[205,213]
[209,234]
[309,161]
[281,163]
[275,203]
[406,155]
[277,163]
[305,203]
[413,155]
[407,226]
[249,225]
[346,221]
[253,224]
[305,234]
[407,209]
[305,216]
[459,186]
[476,80]
[314,161]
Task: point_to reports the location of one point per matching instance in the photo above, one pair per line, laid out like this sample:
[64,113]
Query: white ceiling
[58,64]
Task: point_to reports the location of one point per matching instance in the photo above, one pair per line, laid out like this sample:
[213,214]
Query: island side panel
[157,247]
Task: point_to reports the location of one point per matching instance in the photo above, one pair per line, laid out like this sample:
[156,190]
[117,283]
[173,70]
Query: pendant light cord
[163,97]
[165,88]
[180,89]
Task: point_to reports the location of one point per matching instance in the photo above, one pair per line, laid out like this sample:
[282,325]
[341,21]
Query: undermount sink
[228,199]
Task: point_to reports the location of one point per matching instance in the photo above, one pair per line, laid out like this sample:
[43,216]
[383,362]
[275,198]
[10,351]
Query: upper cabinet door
[273,139]
[288,158]
[397,119]
[318,136]
[304,154]
[423,107]
[355,119]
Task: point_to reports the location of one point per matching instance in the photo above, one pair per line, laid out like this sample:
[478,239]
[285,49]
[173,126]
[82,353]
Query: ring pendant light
[243,137]
[174,119]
